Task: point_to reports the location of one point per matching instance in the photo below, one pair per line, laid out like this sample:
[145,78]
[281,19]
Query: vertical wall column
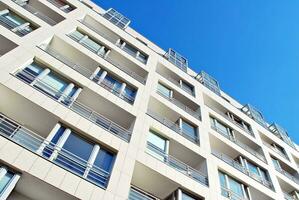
[44,73]
[95,73]
[102,77]
[91,159]
[49,138]
[122,89]
[60,143]
[66,92]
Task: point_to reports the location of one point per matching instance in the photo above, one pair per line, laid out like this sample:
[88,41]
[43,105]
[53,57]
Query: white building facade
[90,109]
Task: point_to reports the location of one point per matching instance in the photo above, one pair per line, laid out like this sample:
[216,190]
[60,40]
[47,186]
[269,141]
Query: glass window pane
[157,141]
[186,197]
[189,129]
[235,186]
[48,150]
[222,180]
[4,182]
[164,90]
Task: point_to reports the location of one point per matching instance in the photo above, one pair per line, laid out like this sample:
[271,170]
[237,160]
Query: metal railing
[173,126]
[287,174]
[177,164]
[76,106]
[179,104]
[138,194]
[87,73]
[33,142]
[239,143]
[37,13]
[231,120]
[61,5]
[242,169]
[112,61]
[228,193]
[14,27]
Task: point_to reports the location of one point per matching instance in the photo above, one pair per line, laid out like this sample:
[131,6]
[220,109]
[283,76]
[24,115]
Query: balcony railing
[78,107]
[231,120]
[276,150]
[36,12]
[61,5]
[178,165]
[110,60]
[287,174]
[179,104]
[242,169]
[231,195]
[31,141]
[240,144]
[138,194]
[87,73]
[21,30]
[173,126]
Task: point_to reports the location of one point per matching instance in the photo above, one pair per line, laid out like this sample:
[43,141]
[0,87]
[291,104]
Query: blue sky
[250,46]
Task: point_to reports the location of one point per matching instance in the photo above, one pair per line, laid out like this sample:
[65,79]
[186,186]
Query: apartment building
[90,109]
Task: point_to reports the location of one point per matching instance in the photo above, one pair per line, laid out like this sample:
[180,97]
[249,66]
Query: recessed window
[165,91]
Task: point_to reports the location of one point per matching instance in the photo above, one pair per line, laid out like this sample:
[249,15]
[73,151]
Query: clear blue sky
[250,46]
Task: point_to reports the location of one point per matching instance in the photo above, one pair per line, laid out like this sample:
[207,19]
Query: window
[220,127]
[157,145]
[116,18]
[189,130]
[276,164]
[130,92]
[187,87]
[164,90]
[209,82]
[7,182]
[113,83]
[231,187]
[187,197]
[75,152]
[133,51]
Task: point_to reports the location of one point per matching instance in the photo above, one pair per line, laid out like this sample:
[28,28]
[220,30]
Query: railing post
[44,73]
[66,92]
[91,159]
[60,143]
[95,73]
[49,138]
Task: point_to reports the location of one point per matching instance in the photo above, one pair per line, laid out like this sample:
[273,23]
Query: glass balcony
[116,18]
[138,194]
[76,106]
[177,164]
[41,11]
[177,59]
[110,56]
[14,22]
[34,142]
[209,82]
[62,5]
[88,73]
[242,169]
[255,114]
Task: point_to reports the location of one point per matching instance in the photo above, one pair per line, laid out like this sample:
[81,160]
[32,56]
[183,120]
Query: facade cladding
[90,109]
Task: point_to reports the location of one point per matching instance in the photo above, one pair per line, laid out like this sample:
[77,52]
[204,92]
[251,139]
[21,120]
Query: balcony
[177,156]
[114,39]
[38,136]
[228,115]
[41,11]
[15,22]
[231,194]
[62,5]
[147,184]
[254,114]
[282,134]
[237,138]
[86,105]
[285,170]
[89,68]
[175,79]
[6,45]
[274,147]
[111,56]
[173,120]
[178,99]
[242,169]
[178,60]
